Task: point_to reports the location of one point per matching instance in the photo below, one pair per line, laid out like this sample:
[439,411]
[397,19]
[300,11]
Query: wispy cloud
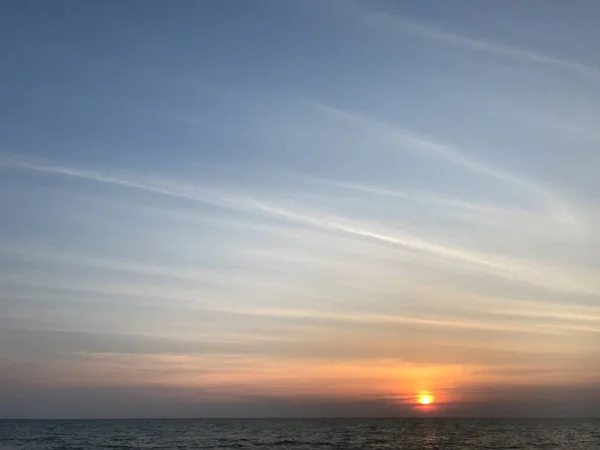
[393,134]
[435,200]
[525,271]
[441,322]
[195,193]
[567,128]
[402,24]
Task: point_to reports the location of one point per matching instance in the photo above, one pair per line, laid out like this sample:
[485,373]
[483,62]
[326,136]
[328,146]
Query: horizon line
[315,418]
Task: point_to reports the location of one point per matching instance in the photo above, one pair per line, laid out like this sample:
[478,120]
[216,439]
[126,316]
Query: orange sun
[425,399]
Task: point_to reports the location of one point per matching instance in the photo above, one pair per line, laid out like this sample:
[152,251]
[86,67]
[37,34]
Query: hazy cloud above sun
[299,208]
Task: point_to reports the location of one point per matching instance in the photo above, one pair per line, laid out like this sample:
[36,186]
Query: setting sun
[425,399]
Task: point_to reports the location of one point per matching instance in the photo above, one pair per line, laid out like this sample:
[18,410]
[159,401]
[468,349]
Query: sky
[299,208]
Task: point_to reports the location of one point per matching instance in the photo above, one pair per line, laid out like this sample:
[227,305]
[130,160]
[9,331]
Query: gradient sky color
[299,208]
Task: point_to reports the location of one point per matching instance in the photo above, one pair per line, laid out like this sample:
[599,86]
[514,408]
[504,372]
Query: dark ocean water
[356,434]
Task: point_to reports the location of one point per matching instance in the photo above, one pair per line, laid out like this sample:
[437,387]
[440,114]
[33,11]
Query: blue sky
[244,208]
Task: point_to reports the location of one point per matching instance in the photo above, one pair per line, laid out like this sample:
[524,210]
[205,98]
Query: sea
[306,434]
